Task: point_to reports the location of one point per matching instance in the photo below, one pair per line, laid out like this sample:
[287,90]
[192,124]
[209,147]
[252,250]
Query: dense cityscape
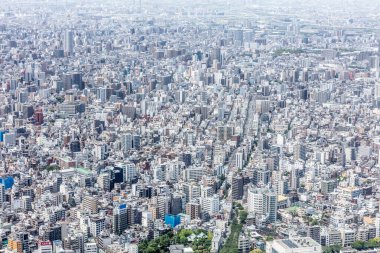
[223,126]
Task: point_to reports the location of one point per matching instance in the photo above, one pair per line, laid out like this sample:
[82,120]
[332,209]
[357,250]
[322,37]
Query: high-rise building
[263,202]
[162,204]
[131,141]
[104,181]
[211,205]
[97,225]
[76,78]
[68,44]
[176,204]
[191,190]
[193,210]
[90,204]
[294,178]
[120,219]
[130,172]
[270,205]
[39,116]
[377,224]
[244,244]
[314,232]
[2,194]
[237,187]
[377,90]
[216,54]
[136,142]
[239,160]
[101,151]
[300,152]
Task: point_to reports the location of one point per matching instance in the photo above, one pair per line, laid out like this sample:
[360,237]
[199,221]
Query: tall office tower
[211,205]
[239,160]
[315,233]
[300,152]
[294,179]
[77,80]
[263,202]
[176,204]
[90,204]
[67,82]
[261,176]
[374,61]
[159,173]
[191,190]
[193,210]
[75,146]
[224,132]
[68,42]
[104,181]
[97,225]
[39,116]
[270,205]
[22,96]
[101,151]
[130,172]
[134,215]
[127,142]
[75,242]
[27,203]
[146,219]
[255,201]
[377,224]
[237,187]
[24,238]
[162,202]
[204,112]
[216,54]
[181,96]
[207,191]
[377,90]
[101,94]
[120,219]
[221,110]
[238,36]
[2,194]
[136,141]
[244,244]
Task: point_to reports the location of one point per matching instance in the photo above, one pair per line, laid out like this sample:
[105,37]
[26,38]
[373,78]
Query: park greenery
[282,51]
[51,167]
[358,245]
[257,251]
[370,244]
[231,245]
[332,249]
[199,240]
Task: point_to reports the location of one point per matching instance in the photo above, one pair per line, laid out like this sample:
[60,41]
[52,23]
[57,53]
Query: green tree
[256,251]
[359,245]
[243,216]
[332,249]
[72,202]
[269,238]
